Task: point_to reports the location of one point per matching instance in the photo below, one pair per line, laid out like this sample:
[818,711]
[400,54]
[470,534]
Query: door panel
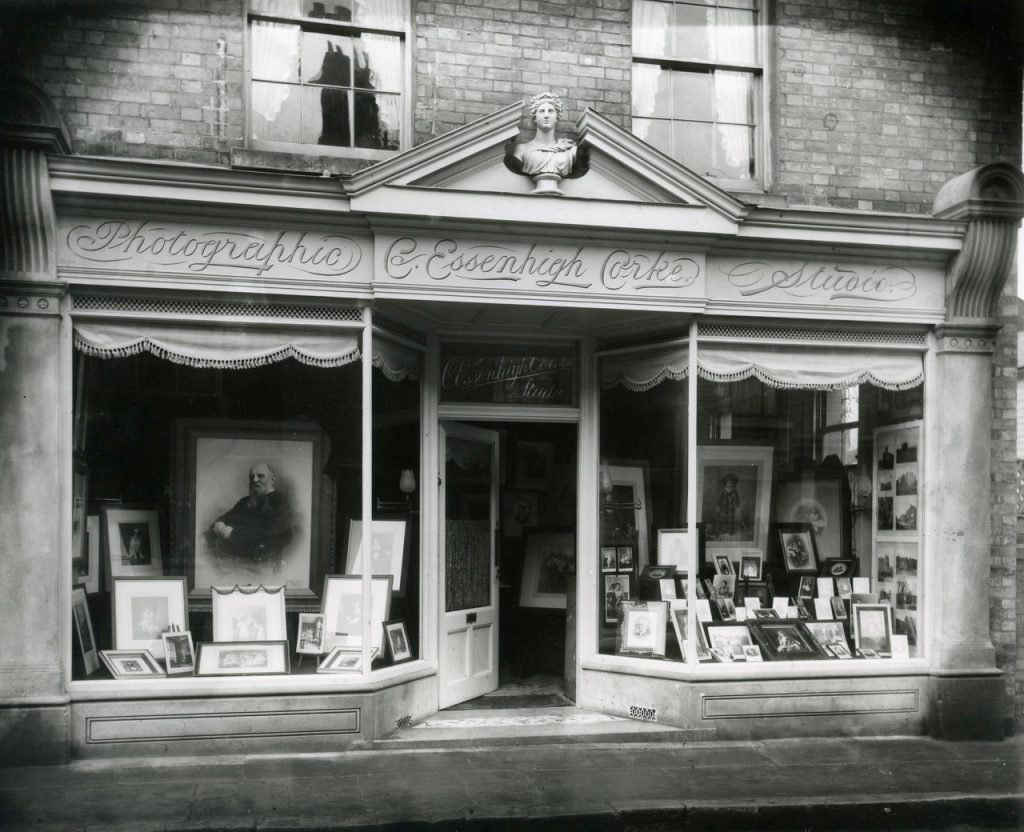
[469,618]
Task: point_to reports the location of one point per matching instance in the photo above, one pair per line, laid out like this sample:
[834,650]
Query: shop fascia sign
[199,250]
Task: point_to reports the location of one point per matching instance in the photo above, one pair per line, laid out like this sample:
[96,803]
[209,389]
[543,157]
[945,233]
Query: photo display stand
[896,520]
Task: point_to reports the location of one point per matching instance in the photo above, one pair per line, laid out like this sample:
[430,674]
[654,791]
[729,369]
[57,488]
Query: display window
[768,510]
[219,491]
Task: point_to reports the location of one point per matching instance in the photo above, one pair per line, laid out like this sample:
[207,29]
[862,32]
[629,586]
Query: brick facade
[876,105]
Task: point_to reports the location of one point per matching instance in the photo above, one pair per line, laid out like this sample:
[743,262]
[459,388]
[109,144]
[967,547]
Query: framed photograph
[243,658]
[734,495]
[897,475]
[796,544]
[520,510]
[844,589]
[750,566]
[643,628]
[133,541]
[752,653]
[179,654]
[249,614]
[549,557]
[397,640]
[618,589]
[729,638]
[680,628]
[389,551]
[872,628]
[726,609]
[837,568]
[625,557]
[838,607]
[342,660]
[311,634]
[131,664]
[823,500]
[761,612]
[828,633]
[146,608]
[624,512]
[787,640]
[79,506]
[535,465]
[722,564]
[805,589]
[342,607]
[656,572]
[609,562]
[83,629]
[722,586]
[89,569]
[254,506]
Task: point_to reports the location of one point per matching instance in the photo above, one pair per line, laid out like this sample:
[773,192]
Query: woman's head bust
[544,98]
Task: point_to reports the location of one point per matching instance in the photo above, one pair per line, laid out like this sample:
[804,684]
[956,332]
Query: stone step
[532,726]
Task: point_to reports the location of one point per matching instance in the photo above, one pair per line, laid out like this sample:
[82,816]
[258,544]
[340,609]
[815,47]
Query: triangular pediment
[619,168]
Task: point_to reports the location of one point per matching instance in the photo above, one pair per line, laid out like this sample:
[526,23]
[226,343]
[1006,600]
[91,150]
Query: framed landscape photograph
[131,664]
[249,614]
[734,494]
[133,541]
[243,658]
[342,660]
[729,638]
[146,608]
[872,628]
[787,640]
[797,548]
[549,559]
[253,504]
[828,633]
[342,607]
[179,654]
[312,631]
[397,640]
[389,551]
[83,629]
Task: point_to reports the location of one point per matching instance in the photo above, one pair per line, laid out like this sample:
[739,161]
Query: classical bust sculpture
[544,158]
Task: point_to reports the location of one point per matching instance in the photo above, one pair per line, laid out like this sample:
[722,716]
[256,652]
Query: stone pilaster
[968,688]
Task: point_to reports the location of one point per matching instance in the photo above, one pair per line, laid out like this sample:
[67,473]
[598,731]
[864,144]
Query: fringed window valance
[215,346]
[396,361]
[786,366]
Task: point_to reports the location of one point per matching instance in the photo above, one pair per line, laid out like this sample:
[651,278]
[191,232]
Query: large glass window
[804,528]
[698,73]
[327,77]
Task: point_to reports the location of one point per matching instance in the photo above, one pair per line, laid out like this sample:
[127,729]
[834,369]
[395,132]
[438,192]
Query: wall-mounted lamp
[606,492]
[407,485]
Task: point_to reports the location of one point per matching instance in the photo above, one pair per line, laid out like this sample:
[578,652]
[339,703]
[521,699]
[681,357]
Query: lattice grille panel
[206,309]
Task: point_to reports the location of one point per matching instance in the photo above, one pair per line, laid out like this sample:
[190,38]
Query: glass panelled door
[469,575]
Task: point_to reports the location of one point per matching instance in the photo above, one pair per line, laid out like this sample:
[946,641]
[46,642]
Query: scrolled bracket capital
[966,339]
[31,298]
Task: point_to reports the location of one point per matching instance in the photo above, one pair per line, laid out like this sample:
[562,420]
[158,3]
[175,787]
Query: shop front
[330,456]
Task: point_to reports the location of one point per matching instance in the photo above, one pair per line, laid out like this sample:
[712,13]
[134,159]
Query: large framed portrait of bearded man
[253,506]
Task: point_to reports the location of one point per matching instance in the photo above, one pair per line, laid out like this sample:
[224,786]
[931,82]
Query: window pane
[652,90]
[734,97]
[275,51]
[651,28]
[656,133]
[326,59]
[377,121]
[693,32]
[691,145]
[378,62]
[692,93]
[734,37]
[734,152]
[385,14]
[275,112]
[325,117]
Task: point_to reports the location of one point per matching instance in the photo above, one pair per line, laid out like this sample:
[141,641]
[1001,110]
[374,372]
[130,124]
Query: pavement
[905,783]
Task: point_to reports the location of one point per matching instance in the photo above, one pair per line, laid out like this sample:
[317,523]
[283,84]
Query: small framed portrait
[549,558]
[643,628]
[657,572]
[673,547]
[146,608]
[83,629]
[844,588]
[249,614]
[828,634]
[389,550]
[755,589]
[609,563]
[726,608]
[242,658]
[618,589]
[722,586]
[796,543]
[342,660]
[311,634]
[133,541]
[787,640]
[837,568]
[805,589]
[729,638]
[131,664]
[397,640]
[723,566]
[872,628]
[838,608]
[179,654]
[750,565]
[752,653]
[342,607]
[625,556]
